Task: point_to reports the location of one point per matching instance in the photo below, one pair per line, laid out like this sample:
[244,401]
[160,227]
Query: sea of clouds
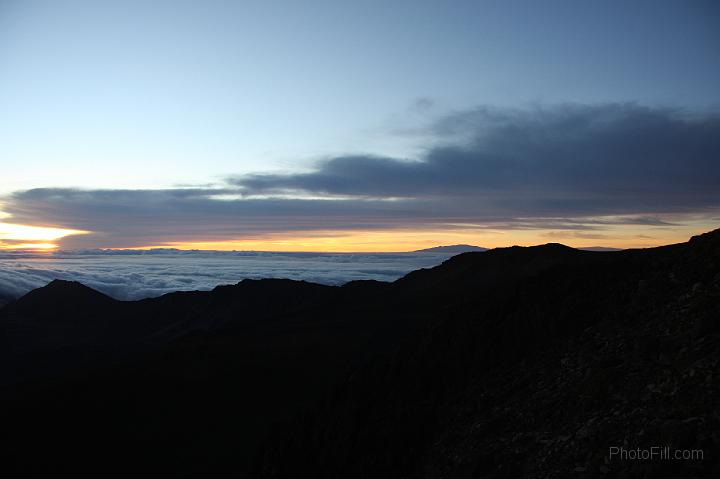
[130,275]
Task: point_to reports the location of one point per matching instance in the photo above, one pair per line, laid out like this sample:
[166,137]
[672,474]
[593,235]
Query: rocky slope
[535,362]
[516,362]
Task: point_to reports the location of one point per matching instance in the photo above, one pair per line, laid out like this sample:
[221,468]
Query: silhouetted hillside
[515,362]
[535,362]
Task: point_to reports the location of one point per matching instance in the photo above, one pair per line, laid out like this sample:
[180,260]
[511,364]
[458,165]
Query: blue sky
[156,94]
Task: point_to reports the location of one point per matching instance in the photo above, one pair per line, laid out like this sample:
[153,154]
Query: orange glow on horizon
[411,240]
[23,237]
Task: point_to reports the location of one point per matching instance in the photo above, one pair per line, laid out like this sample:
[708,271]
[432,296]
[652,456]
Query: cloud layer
[607,159]
[141,274]
[554,167]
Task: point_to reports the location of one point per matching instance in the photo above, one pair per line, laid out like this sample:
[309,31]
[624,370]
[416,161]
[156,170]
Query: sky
[357,126]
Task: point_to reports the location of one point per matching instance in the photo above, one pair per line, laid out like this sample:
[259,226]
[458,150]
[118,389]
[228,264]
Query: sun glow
[15,236]
[32,246]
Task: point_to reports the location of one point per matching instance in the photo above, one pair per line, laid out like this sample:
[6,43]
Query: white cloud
[140,274]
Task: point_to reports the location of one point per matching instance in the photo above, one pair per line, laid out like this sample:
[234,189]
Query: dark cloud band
[583,153]
[559,166]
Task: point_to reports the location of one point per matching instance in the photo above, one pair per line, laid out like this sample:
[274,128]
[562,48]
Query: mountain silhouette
[63,294]
[514,362]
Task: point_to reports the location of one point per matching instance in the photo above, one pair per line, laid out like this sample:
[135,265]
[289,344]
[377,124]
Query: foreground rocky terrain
[516,362]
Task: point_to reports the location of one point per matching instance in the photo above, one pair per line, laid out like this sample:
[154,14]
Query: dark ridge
[61,294]
[515,362]
[711,238]
[477,269]
[552,357]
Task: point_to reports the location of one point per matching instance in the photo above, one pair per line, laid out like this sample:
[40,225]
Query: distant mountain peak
[67,286]
[63,283]
[600,248]
[455,248]
[553,247]
[59,292]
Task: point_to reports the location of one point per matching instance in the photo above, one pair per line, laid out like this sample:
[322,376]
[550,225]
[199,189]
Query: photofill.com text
[655,453]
